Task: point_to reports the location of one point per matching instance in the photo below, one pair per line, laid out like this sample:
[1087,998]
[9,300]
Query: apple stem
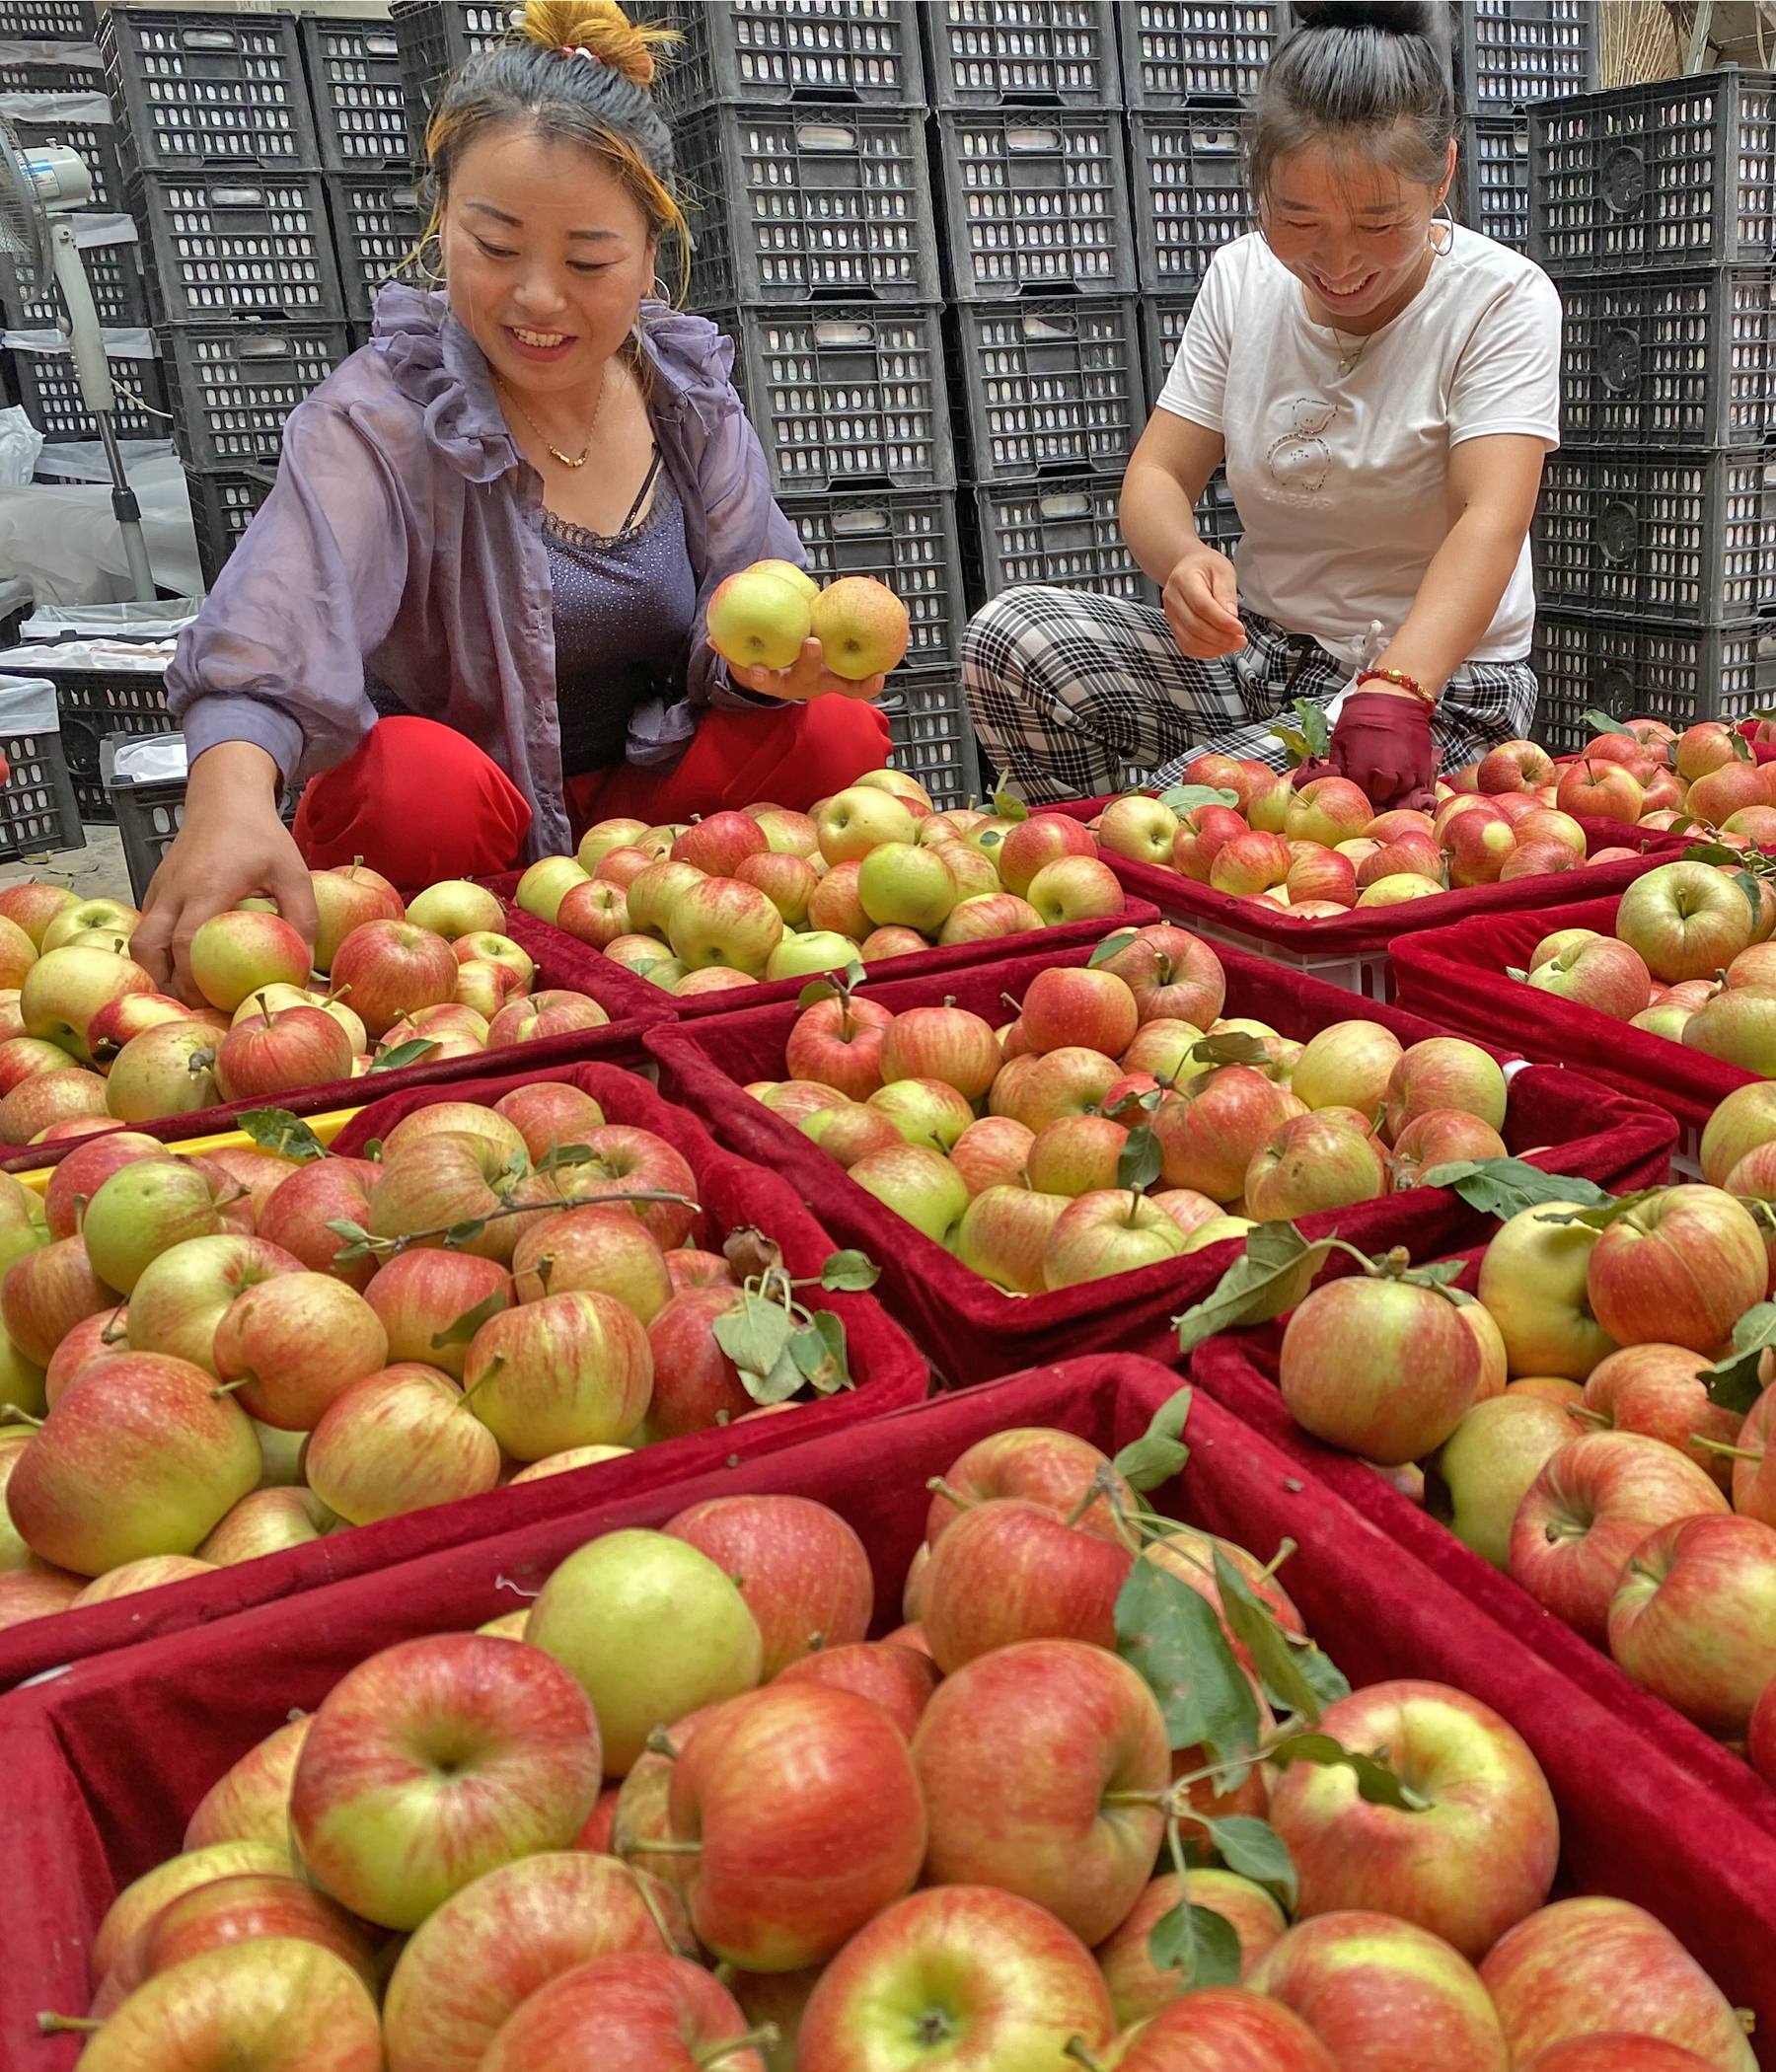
[647,1897]
[1081,2055]
[1276,1561]
[50,2024]
[13,1412]
[227,1388]
[761,2038]
[661,1743]
[1592,1417]
[1134,1799]
[938,1487]
[1719,1445]
[642,1847]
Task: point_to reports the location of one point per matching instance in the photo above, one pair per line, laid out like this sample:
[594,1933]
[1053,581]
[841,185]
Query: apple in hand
[758,619]
[234,954]
[345,897]
[861,625]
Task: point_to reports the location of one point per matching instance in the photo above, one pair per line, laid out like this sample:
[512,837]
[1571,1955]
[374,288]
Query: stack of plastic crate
[223,161]
[1654,208]
[1510,55]
[52,92]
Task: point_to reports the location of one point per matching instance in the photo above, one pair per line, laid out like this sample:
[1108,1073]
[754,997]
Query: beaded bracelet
[1398,678]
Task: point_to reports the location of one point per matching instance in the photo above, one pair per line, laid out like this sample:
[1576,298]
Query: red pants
[419,802]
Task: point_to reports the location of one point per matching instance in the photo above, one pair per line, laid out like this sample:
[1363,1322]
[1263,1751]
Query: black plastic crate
[354,86]
[378,219]
[1065,533]
[1669,359]
[435,36]
[1217,520]
[860,52]
[1515,51]
[149,817]
[223,502]
[1680,674]
[1190,194]
[233,384]
[80,122]
[1176,53]
[203,90]
[1022,53]
[1675,536]
[114,273]
[46,387]
[1162,321]
[844,398]
[1036,203]
[1049,387]
[904,538]
[1678,172]
[92,703]
[800,205]
[237,245]
[1492,180]
[50,68]
[38,808]
[48,20]
[932,740]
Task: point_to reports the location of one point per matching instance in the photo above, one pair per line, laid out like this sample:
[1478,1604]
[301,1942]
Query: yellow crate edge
[326,1127]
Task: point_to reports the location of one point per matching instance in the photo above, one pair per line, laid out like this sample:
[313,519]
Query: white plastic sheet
[63,539]
[19,444]
[27,705]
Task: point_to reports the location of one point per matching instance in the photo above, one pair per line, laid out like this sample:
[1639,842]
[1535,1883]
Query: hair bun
[1390,16]
[598,26]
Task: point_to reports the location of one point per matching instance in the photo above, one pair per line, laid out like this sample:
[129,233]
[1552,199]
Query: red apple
[1601,791]
[46,1292]
[1201,834]
[1209,1130]
[1137,1989]
[838,1043]
[386,968]
[803,1572]
[1310,1163]
[1614,2054]
[1515,766]
[632,2013]
[1693,1618]
[345,897]
[234,954]
[1221,2030]
[1251,864]
[944,1043]
[1605,974]
[1328,810]
[1679,1269]
[1379,1367]
[1053,1469]
[1009,1570]
[1042,838]
[898,1680]
[1440,1137]
[1687,919]
[1444,1071]
[1657,1390]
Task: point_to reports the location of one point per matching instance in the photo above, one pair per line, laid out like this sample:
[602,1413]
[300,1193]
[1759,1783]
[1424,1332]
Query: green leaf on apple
[358,1241]
[754,1334]
[818,1351]
[988,839]
[283,1135]
[1111,946]
[1185,798]
[1741,748]
[471,1320]
[1603,1213]
[1254,1849]
[1231,1047]
[1733,1382]
[402,1054]
[1254,1625]
[816,991]
[1258,1286]
[1515,971]
[1139,1162]
[780,1383]
[1324,1677]
[559,1157]
[1501,1187]
[464,1232]
[1375,1782]
[1705,851]
[1160,1454]
[1601,723]
[1173,1640]
[849,1273]
[1197,1943]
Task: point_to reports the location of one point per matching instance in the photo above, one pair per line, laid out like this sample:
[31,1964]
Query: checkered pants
[1073,694]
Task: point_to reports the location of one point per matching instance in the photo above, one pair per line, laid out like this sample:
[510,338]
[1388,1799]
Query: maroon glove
[1383,744]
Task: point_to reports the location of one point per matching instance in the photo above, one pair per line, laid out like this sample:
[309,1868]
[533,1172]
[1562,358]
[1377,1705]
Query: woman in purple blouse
[471,614]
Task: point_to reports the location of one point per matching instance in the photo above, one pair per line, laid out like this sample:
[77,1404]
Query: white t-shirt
[1342,481]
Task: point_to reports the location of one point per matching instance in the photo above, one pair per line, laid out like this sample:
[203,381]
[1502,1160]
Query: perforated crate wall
[844,395]
[91,704]
[223,502]
[1672,536]
[1050,386]
[1035,203]
[435,36]
[377,222]
[50,68]
[906,539]
[49,391]
[355,85]
[149,818]
[234,385]
[1024,53]
[826,204]
[238,245]
[1175,53]
[932,740]
[1190,194]
[1493,177]
[86,128]
[767,51]
[38,808]
[48,20]
[1062,533]
[1162,321]
[209,90]
[1680,674]
[1680,172]
[1217,520]
[1669,359]
[114,273]
[1511,52]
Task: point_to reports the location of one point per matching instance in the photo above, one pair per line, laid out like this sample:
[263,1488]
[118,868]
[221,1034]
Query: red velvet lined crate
[887,1371]
[110,1758]
[564,954]
[619,1043]
[1354,951]
[1458,976]
[974,1331]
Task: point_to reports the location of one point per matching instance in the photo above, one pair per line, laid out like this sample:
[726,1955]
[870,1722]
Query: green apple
[652,1628]
[1534,1280]
[902,885]
[544,885]
[851,823]
[798,579]
[817,951]
[758,619]
[916,1183]
[1488,1463]
[455,907]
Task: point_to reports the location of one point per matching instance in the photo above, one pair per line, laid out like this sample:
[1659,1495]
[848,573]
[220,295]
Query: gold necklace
[1347,361]
[567,459]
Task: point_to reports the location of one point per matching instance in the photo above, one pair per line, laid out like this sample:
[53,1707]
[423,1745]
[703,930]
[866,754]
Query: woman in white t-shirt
[1383,387]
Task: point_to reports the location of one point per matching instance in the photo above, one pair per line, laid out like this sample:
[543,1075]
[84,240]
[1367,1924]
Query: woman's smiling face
[1354,231]
[547,257]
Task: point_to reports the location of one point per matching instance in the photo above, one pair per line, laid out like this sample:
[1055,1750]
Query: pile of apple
[1108,1125]
[872,872]
[213,1357]
[688,1815]
[1690,960]
[86,1043]
[1579,1424]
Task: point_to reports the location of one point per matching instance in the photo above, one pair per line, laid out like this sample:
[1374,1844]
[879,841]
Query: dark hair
[573,71]
[1373,72]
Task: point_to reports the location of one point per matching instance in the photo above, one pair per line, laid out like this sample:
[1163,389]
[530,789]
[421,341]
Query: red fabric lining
[885,1365]
[1458,976]
[971,1329]
[110,1758]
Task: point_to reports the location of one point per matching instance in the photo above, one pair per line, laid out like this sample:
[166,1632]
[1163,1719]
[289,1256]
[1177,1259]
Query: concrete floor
[97,871]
